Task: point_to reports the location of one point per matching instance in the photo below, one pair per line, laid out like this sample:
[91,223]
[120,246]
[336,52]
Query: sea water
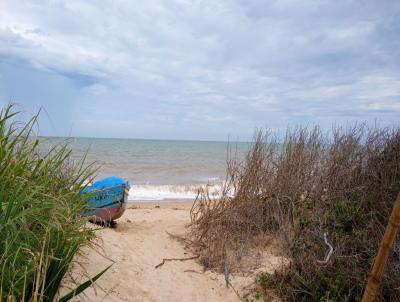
[157,169]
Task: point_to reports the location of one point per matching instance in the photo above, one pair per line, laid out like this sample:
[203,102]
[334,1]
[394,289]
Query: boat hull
[109,214]
[106,199]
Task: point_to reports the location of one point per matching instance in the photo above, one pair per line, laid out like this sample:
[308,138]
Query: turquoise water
[157,169]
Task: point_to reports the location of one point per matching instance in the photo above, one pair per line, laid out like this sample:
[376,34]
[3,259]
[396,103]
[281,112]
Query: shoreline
[165,202]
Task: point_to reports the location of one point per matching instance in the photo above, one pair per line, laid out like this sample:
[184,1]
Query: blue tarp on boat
[104,183]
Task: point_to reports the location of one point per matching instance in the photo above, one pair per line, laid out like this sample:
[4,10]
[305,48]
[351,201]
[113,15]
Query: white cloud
[251,62]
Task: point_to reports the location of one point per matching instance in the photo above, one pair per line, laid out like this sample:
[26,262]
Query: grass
[342,183]
[40,228]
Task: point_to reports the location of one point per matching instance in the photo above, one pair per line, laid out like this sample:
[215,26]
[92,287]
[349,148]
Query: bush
[339,186]
[40,228]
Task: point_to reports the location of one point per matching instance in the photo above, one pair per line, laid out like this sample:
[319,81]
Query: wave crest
[170,192]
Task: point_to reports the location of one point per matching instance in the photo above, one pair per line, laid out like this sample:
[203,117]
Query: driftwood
[176,259]
[328,256]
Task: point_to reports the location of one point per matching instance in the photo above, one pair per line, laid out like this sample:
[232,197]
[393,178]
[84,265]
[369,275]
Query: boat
[106,199]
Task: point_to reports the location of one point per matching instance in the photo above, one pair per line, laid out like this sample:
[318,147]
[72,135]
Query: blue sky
[199,69]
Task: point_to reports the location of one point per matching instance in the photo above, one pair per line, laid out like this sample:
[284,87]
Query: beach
[139,242]
[164,177]
[172,151]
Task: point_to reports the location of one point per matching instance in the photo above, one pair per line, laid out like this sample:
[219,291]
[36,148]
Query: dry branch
[176,259]
[343,182]
[328,256]
[226,269]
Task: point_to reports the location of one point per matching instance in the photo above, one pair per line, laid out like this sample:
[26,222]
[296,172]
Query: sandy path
[138,244]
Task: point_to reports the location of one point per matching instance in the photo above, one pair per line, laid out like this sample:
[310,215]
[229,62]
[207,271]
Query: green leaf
[83,286]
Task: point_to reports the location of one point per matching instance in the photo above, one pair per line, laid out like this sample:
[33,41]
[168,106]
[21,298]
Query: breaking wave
[170,192]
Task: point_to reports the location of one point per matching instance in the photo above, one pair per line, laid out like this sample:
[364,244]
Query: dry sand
[140,242]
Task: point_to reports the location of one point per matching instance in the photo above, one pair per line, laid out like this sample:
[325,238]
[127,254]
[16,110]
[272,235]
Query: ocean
[156,169]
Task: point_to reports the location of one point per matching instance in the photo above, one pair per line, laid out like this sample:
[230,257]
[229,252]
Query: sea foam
[170,192]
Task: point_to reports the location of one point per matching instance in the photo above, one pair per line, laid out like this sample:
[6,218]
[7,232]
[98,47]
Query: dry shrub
[339,186]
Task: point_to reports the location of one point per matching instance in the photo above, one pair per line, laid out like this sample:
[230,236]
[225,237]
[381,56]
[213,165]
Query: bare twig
[176,259]
[236,292]
[179,238]
[226,269]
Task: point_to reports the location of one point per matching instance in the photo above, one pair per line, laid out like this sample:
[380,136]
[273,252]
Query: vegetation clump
[327,197]
[40,228]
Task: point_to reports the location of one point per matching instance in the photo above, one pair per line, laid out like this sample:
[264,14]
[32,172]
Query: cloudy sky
[181,69]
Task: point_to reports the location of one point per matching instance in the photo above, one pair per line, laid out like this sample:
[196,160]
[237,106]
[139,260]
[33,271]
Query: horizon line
[143,139]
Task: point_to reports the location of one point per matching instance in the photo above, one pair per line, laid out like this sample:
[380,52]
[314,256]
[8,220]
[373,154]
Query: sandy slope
[137,245]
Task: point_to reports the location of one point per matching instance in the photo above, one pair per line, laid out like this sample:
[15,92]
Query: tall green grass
[40,228]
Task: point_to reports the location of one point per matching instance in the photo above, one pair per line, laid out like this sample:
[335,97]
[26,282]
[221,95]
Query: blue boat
[107,198]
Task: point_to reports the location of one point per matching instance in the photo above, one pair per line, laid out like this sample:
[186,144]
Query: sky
[179,69]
